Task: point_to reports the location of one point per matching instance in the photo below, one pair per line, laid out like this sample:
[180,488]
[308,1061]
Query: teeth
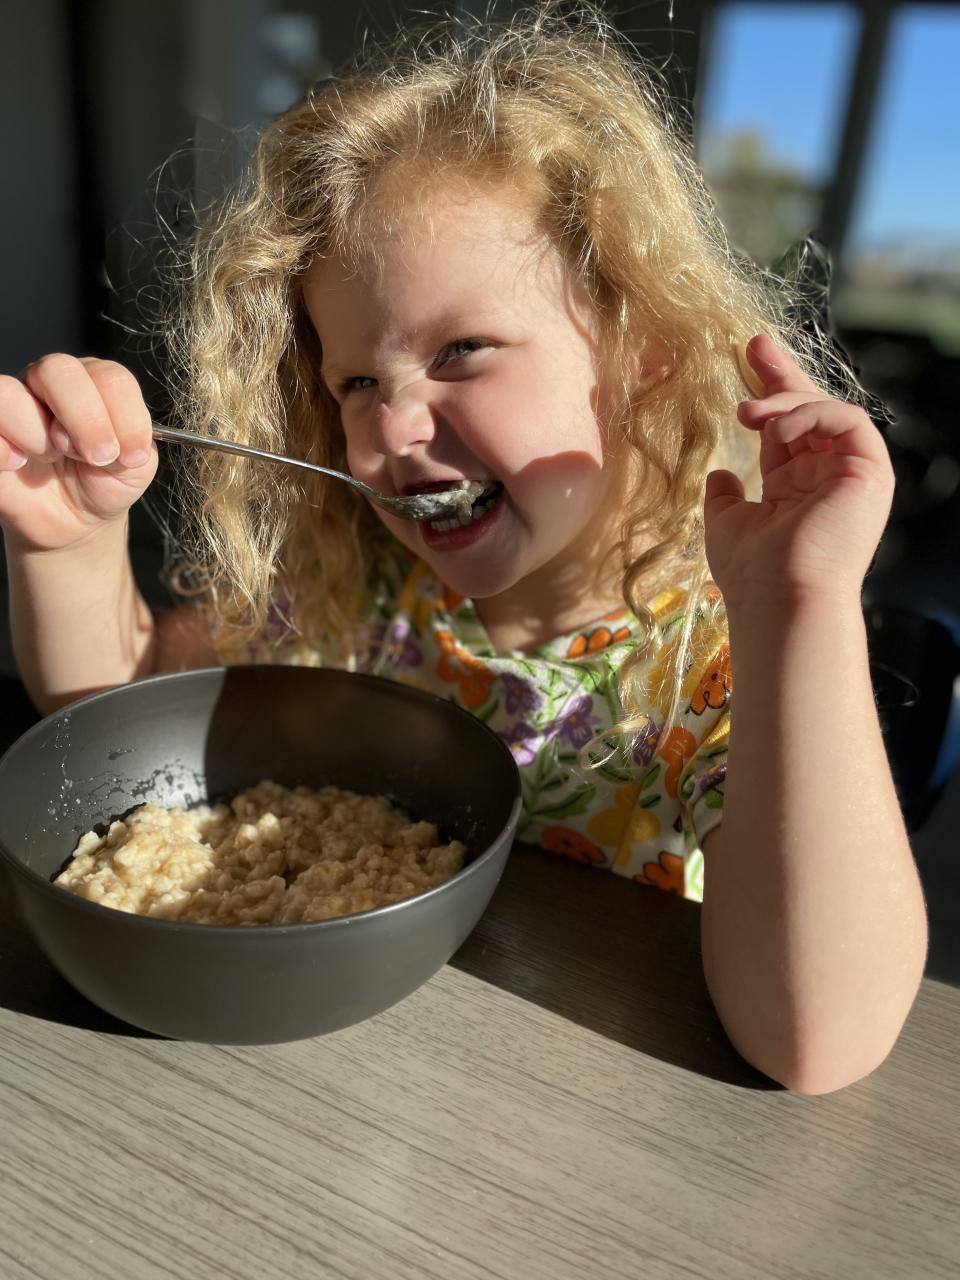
[480,506]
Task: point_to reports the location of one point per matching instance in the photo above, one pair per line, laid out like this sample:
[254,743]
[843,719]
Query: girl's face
[456,352]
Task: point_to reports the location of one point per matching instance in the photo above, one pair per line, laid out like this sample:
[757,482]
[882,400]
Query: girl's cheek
[564,486]
[363,462]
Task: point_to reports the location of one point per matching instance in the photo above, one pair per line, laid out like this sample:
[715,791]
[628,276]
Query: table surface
[559,1101]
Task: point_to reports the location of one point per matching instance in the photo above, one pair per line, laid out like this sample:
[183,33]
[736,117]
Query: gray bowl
[180,739]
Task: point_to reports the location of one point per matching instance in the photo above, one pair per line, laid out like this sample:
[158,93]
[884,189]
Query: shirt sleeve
[709,689]
[702,782]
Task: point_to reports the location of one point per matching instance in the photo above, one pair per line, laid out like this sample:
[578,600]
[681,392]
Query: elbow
[814,1080]
[821,1056]
[813,1071]
[820,1038]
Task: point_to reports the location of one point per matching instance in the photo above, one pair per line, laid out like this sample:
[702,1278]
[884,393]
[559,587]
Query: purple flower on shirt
[403,648]
[646,743]
[575,724]
[521,738]
[278,625]
[707,779]
[370,645]
[519,694]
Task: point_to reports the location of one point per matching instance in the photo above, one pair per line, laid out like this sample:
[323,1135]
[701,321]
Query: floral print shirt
[644,817]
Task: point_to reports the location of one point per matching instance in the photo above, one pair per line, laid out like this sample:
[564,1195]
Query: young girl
[492,259]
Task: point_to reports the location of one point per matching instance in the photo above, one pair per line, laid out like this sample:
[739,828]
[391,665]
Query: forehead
[457,240]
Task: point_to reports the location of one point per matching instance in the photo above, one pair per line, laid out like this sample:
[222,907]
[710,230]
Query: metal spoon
[418,506]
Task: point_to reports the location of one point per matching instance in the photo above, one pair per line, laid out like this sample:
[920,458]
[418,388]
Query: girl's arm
[77,620]
[79,623]
[76,452]
[814,927]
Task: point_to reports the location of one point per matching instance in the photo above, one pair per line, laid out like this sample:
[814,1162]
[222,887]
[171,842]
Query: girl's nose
[401,421]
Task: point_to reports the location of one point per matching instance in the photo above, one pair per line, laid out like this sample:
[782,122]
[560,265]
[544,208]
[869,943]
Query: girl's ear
[625,377]
[648,367]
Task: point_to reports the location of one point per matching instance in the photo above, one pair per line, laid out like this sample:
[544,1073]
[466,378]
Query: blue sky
[785,69]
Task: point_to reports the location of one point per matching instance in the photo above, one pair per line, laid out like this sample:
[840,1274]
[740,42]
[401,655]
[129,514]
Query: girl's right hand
[76,450]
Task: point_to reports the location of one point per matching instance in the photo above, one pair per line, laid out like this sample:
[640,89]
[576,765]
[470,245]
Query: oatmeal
[274,855]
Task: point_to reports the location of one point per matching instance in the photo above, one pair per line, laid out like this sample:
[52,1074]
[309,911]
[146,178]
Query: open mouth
[488,499]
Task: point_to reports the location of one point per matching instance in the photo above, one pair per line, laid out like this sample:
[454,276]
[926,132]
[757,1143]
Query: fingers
[11,459]
[23,426]
[129,415]
[826,426]
[776,368]
[754,413]
[787,386]
[79,421]
[761,414]
[796,417]
[723,489]
[87,409]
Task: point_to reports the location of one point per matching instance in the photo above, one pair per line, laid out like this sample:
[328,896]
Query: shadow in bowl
[179,739]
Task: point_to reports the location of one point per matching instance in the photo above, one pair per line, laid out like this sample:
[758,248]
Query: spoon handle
[176,436]
[423,506]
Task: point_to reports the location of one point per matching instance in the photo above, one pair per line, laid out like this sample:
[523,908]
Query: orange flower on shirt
[457,666]
[678,748]
[571,844]
[593,641]
[715,685]
[666,873]
[709,636]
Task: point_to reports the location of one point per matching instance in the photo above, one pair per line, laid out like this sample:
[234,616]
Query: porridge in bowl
[273,855]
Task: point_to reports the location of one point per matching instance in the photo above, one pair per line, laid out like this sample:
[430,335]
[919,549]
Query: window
[901,265]
[775,87]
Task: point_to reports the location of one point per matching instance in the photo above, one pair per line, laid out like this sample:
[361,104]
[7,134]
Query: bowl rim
[72,900]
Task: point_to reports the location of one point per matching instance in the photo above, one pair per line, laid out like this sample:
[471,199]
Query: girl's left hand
[827,490]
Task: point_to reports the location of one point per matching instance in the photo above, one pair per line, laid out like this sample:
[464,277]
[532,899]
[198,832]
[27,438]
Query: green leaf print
[611,773]
[650,777]
[552,783]
[485,713]
[579,802]
[533,779]
[607,688]
[591,681]
[529,669]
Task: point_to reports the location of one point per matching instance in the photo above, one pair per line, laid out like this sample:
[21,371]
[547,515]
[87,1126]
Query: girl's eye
[452,351]
[359,383]
[460,347]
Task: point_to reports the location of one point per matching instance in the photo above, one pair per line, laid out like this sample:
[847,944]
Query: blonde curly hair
[550,102]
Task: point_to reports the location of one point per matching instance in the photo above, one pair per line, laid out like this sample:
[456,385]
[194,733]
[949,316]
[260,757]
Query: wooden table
[560,1101]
